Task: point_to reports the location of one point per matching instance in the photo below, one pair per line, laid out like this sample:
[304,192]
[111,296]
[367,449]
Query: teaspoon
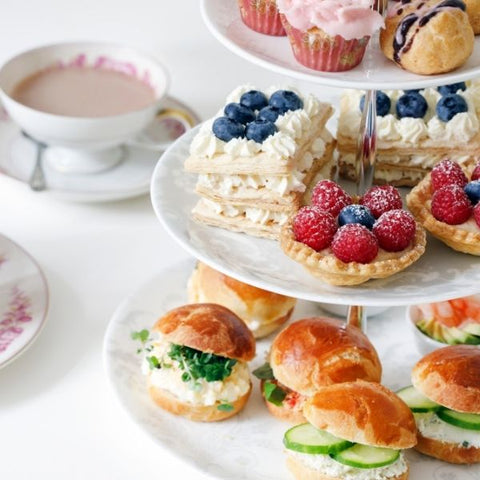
[37,179]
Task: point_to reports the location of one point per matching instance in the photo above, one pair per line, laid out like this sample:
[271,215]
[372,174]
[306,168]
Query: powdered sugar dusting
[330,197]
[395,230]
[381,199]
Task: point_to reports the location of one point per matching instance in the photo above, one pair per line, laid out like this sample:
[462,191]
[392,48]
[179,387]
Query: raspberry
[476,213]
[381,199]
[354,243]
[314,227]
[451,205]
[394,230]
[447,173]
[330,197]
[476,172]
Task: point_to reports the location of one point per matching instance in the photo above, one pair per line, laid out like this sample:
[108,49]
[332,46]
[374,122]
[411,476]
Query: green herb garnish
[264,372]
[465,444]
[142,335]
[225,407]
[153,362]
[273,393]
[196,364]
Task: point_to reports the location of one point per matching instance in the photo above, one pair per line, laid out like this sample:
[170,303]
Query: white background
[58,418]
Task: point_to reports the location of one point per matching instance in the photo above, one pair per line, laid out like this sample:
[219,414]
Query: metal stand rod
[357,317]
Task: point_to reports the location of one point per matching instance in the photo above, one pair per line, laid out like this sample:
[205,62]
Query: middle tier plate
[440,274]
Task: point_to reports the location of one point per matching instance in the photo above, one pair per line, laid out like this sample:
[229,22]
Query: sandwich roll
[262,311]
[196,364]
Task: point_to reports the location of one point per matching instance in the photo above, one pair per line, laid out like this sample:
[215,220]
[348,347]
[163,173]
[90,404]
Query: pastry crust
[200,413]
[363,412]
[301,472]
[448,452]
[456,237]
[440,45]
[473,11]
[450,376]
[329,268]
[261,310]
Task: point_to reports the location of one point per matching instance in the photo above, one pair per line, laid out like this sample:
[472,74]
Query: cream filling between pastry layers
[293,127]
[200,392]
[332,468]
[460,129]
[431,426]
[255,215]
[281,184]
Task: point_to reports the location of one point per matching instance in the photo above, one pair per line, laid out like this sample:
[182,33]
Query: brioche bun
[209,328]
[292,413]
[450,376]
[362,412]
[302,472]
[314,352]
[262,311]
[448,452]
[200,413]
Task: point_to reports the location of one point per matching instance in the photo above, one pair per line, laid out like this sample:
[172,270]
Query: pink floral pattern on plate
[18,313]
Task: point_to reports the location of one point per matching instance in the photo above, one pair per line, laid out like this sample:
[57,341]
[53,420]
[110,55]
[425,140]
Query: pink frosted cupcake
[261,16]
[329,35]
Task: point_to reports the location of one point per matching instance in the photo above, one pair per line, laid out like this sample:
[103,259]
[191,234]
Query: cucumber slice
[472,328]
[306,438]
[468,421]
[365,456]
[416,400]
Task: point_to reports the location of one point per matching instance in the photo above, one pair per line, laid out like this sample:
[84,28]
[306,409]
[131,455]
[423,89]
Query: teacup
[83,144]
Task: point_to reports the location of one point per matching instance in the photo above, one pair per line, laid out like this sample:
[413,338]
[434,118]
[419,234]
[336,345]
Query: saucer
[128,178]
[23,300]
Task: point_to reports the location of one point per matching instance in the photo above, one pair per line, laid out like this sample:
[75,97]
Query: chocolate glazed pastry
[427,36]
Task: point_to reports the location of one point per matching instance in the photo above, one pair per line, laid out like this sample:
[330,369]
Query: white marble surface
[58,416]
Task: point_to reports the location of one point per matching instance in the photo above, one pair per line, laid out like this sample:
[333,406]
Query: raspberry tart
[446,203]
[347,241]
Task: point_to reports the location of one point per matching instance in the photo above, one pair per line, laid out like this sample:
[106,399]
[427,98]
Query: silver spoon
[37,179]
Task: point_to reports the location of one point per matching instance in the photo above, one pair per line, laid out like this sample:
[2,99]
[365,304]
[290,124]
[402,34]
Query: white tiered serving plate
[250,444]
[222,17]
[440,274]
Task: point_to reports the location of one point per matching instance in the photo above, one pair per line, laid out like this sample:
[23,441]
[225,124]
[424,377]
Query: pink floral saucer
[23,300]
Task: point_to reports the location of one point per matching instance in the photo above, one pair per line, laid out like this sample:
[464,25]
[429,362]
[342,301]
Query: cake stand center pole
[367,143]
[357,317]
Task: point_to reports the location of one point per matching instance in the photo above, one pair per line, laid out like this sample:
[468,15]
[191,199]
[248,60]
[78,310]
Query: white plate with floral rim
[249,445]
[222,18]
[23,300]
[441,273]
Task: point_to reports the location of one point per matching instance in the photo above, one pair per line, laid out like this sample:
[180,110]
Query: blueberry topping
[239,113]
[472,189]
[254,100]
[356,214]
[285,100]
[268,113]
[259,130]
[411,105]
[383,104]
[452,88]
[225,129]
[449,105]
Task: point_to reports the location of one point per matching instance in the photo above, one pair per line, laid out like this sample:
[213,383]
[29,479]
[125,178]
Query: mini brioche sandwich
[196,364]
[445,400]
[355,430]
[262,311]
[309,354]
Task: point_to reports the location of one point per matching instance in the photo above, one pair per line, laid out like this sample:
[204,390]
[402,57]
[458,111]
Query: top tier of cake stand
[222,17]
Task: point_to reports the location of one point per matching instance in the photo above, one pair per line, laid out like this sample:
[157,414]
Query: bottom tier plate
[250,444]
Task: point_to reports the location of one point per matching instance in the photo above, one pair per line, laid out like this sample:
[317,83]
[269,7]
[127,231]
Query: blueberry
[239,113]
[268,113]
[411,105]
[383,104]
[472,189]
[225,129]
[254,100]
[285,100]
[259,130]
[449,105]
[356,214]
[452,88]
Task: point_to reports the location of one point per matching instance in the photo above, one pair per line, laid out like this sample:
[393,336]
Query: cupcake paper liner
[319,51]
[261,16]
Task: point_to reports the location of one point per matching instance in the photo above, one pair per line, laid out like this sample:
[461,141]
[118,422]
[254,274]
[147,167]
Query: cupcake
[329,35]
[261,16]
